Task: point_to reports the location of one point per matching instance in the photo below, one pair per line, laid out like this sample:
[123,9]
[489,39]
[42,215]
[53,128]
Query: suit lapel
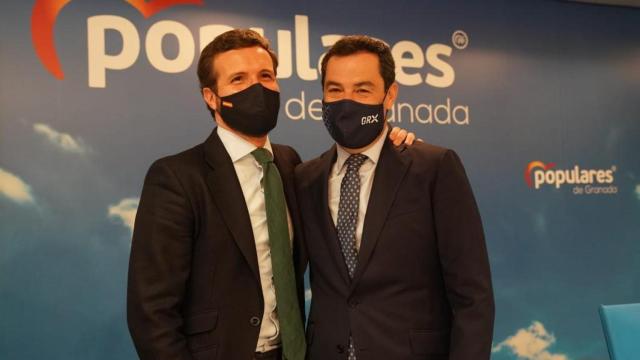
[330,236]
[390,171]
[227,193]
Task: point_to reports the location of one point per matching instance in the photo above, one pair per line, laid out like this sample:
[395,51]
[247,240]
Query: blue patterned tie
[348,220]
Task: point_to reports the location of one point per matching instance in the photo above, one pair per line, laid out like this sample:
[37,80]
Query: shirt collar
[372,153]
[236,146]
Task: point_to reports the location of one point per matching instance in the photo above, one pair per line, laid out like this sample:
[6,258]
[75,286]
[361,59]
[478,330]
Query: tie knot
[262,155]
[356,160]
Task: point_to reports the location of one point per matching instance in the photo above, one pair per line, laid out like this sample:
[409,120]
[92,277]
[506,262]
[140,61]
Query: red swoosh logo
[45,13]
[150,8]
[532,165]
[43,18]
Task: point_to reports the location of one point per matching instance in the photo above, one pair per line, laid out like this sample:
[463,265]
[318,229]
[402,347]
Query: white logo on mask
[371,119]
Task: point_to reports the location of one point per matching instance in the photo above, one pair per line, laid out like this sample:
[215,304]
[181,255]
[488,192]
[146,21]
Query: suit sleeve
[464,260]
[159,267]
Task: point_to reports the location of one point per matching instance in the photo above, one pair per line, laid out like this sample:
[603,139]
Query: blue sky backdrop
[548,81]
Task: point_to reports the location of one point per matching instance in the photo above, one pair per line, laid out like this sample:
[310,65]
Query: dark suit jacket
[422,287]
[194,285]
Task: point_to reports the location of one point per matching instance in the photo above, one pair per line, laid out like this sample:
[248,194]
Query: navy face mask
[252,111]
[352,124]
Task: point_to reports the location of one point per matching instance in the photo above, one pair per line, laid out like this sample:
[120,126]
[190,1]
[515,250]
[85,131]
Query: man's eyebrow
[236,74]
[364,83]
[332,83]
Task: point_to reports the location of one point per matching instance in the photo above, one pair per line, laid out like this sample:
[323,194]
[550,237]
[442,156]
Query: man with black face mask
[212,272]
[214,234]
[398,262]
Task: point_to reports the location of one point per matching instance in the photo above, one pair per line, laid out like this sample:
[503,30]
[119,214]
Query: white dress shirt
[367,171]
[249,174]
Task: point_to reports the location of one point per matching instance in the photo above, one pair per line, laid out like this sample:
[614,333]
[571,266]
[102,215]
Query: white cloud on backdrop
[125,211]
[15,189]
[531,343]
[61,140]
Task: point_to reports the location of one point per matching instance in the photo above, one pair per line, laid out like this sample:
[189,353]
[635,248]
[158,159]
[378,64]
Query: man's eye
[267,76]
[362,91]
[333,90]
[236,79]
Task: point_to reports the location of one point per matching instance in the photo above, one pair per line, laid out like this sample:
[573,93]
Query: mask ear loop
[222,102]
[214,93]
[386,112]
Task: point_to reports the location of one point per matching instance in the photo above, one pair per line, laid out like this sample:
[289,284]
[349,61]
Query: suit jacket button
[254,321]
[340,349]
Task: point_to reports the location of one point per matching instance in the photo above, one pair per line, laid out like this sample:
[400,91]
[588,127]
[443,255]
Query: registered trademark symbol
[460,39]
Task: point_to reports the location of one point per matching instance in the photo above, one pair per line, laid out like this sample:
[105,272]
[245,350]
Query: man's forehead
[251,57]
[358,67]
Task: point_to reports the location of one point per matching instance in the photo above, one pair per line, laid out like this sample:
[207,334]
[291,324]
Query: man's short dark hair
[353,44]
[230,40]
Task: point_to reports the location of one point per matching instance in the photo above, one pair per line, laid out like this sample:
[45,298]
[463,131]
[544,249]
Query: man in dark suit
[214,234]
[398,261]
[212,272]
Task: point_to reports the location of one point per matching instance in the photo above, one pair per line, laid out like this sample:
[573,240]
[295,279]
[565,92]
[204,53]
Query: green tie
[291,328]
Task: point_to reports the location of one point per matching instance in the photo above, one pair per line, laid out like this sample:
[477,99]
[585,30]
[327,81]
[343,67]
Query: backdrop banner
[541,99]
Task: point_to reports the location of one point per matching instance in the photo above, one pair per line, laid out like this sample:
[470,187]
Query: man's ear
[210,98]
[392,94]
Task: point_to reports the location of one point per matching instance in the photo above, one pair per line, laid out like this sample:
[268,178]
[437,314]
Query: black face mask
[252,111]
[352,124]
